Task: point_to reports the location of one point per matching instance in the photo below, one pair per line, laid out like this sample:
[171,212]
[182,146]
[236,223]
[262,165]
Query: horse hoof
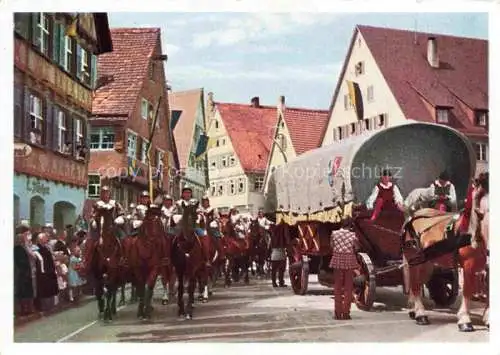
[422,320]
[100,315]
[466,327]
[411,315]
[164,302]
[204,300]
[200,298]
[188,317]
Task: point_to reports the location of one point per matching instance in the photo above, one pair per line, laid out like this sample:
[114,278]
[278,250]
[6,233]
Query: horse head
[189,219]
[152,225]
[104,217]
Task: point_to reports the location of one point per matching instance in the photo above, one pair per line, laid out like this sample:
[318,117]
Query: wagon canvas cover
[416,153]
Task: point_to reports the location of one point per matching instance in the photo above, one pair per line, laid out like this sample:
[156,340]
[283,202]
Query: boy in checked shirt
[344,244]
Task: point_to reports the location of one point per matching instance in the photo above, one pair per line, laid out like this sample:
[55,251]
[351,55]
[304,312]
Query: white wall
[383,101]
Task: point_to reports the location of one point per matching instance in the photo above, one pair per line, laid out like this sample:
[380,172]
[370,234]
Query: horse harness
[450,238]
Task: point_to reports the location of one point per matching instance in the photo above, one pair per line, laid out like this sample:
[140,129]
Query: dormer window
[359,68]
[482,118]
[442,115]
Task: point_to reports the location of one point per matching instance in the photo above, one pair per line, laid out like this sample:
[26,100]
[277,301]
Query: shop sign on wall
[36,186]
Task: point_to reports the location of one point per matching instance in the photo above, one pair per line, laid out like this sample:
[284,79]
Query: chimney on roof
[281,104]
[432,52]
[255,101]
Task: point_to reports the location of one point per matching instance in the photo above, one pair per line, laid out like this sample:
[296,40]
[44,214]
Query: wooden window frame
[37,119]
[131,134]
[97,186]
[102,131]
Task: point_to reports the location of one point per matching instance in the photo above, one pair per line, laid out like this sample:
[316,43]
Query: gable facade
[380,107]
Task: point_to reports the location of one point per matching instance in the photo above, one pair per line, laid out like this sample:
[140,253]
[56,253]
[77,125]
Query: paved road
[256,313]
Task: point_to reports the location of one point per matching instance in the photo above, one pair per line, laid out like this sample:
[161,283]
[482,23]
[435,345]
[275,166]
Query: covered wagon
[314,192]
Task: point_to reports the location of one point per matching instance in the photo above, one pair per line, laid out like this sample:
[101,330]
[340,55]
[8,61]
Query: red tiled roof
[187,102]
[126,67]
[462,76]
[251,130]
[306,127]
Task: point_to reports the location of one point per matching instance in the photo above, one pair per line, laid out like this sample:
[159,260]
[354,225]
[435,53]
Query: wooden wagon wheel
[299,276]
[364,290]
[443,287]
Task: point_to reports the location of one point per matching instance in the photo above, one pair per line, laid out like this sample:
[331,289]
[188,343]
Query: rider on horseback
[139,212]
[445,198]
[264,223]
[384,194]
[210,216]
[168,210]
[106,203]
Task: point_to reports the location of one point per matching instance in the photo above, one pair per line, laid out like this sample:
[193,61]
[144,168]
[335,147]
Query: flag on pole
[202,146]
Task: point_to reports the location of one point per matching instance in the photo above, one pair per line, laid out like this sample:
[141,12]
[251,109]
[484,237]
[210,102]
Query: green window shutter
[56,51]
[78,61]
[93,70]
[35,36]
[62,45]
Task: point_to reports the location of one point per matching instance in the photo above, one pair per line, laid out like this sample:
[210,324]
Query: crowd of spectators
[47,268]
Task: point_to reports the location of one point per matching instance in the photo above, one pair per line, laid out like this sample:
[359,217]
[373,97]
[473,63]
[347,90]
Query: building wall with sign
[55,70]
[42,201]
[376,96]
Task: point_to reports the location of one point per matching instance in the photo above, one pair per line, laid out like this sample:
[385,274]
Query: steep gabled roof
[251,130]
[462,74]
[187,103]
[460,82]
[306,127]
[122,71]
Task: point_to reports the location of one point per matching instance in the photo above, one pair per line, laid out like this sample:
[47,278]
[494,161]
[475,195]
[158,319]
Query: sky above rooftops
[298,55]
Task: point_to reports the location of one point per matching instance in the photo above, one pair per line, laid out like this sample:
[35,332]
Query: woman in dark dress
[23,283]
[46,278]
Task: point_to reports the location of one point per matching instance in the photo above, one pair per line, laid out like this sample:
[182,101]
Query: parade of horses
[148,210]
[419,232]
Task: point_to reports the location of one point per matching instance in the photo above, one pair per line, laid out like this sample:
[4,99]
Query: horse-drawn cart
[318,189]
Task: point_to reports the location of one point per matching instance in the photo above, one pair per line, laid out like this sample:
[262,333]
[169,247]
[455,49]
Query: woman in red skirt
[344,244]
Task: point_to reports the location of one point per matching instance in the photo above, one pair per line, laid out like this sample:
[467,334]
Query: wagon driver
[385,195]
[445,197]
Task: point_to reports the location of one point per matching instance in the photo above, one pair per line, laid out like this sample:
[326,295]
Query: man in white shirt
[385,194]
[445,197]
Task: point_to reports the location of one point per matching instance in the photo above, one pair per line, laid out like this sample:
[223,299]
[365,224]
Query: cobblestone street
[258,313]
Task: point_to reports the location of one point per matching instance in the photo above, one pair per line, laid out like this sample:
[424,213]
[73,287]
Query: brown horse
[237,252]
[260,246]
[147,255]
[102,261]
[428,238]
[213,252]
[188,259]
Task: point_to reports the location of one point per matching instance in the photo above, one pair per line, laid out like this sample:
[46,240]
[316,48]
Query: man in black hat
[445,197]
[385,194]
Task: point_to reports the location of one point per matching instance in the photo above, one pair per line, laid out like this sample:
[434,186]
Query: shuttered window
[18,110]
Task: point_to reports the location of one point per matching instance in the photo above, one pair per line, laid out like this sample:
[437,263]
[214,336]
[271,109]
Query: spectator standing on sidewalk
[23,283]
[60,245]
[75,281]
[46,276]
[344,244]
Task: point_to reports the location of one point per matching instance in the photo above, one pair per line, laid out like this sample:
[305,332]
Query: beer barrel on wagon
[315,191]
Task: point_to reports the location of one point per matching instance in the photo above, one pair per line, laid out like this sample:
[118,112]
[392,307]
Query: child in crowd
[74,278]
